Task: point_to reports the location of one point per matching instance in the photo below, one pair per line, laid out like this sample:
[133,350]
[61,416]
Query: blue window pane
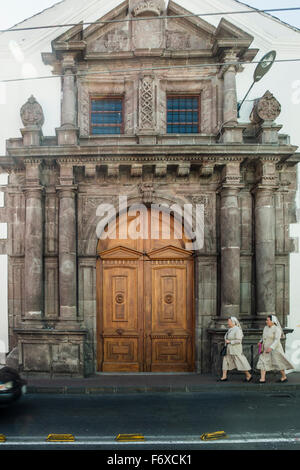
[183,113]
[106,105]
[99,130]
[107,118]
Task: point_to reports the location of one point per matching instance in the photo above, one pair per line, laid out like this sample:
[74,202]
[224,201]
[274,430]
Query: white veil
[236,323]
[276,322]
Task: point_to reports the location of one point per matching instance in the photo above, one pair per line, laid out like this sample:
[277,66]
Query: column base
[32,136]
[67,135]
[52,352]
[147,138]
[232,134]
[68,313]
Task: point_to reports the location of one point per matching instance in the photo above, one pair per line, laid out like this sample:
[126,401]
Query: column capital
[67,190]
[33,191]
[228,189]
[264,189]
[230,60]
[69,63]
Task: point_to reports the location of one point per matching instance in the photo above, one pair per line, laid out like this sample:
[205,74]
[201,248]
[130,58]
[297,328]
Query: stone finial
[32,113]
[266,108]
[147,8]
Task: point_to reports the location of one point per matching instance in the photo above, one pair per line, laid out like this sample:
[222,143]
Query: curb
[68,390]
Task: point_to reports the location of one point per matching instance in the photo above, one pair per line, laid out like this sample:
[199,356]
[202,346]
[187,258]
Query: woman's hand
[269,350]
[227,341]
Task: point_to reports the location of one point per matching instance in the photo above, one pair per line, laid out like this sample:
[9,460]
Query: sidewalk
[150,383]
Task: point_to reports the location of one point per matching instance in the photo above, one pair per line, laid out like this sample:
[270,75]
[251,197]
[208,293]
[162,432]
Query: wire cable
[200,15]
[147,69]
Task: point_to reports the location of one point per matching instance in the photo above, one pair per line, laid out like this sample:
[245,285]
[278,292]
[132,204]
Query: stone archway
[145,296]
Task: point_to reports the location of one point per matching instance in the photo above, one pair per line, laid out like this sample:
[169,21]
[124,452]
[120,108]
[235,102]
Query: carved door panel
[145,302]
[121,306]
[169,312]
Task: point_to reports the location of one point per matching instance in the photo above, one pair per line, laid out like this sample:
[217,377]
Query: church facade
[104,271]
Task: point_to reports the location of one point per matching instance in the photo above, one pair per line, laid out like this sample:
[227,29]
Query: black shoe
[281,381]
[248,380]
[261,381]
[222,380]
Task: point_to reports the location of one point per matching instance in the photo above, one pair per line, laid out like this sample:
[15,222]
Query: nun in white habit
[234,358]
[272,356]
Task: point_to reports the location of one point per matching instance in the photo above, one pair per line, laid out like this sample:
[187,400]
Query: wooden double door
[145,306]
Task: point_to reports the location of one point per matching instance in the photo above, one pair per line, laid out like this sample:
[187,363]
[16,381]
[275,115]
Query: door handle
[120,331]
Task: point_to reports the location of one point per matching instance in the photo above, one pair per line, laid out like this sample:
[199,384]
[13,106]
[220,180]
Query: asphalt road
[251,420]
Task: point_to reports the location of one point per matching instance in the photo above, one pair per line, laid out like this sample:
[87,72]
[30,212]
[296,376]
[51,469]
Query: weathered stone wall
[243,174]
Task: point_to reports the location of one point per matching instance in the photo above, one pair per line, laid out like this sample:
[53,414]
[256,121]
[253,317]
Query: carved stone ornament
[116,41]
[266,108]
[177,40]
[147,7]
[147,191]
[147,103]
[32,113]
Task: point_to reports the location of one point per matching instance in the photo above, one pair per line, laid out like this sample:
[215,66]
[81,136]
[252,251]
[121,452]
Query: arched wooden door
[145,300]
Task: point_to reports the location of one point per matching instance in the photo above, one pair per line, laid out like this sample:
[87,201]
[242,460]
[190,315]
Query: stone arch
[88,243]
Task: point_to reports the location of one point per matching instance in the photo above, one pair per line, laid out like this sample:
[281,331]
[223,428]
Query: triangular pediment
[187,32]
[105,36]
[120,252]
[170,252]
[227,30]
[122,32]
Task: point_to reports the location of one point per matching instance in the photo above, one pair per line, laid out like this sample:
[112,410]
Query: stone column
[264,214]
[230,130]
[67,247]
[68,107]
[230,241]
[33,243]
[230,99]
[67,133]
[265,251]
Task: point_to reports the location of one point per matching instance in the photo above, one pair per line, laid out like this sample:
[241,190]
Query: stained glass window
[106,115]
[183,114]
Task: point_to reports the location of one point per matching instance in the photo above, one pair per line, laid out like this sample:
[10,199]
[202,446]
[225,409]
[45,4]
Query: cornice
[144,153]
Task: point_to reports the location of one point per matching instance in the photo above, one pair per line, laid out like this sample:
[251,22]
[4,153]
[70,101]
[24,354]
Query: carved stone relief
[146,111]
[32,113]
[266,108]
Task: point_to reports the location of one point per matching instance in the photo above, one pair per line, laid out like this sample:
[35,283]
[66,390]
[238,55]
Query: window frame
[184,95]
[103,97]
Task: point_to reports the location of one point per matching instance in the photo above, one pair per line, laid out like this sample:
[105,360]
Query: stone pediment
[169,252]
[120,252]
[127,29]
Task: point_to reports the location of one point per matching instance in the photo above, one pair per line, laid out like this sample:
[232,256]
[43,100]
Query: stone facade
[243,174]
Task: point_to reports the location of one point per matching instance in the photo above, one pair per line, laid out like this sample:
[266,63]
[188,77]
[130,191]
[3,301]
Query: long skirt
[238,362]
[274,360]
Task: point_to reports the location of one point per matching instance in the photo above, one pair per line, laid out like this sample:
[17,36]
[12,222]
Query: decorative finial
[266,108]
[32,113]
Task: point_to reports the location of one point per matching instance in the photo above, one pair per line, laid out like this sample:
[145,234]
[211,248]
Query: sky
[15,11]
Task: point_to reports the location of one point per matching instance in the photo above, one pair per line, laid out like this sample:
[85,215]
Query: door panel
[145,303]
[121,306]
[171,314]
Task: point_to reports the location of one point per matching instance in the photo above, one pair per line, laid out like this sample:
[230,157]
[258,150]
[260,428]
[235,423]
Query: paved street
[252,420]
